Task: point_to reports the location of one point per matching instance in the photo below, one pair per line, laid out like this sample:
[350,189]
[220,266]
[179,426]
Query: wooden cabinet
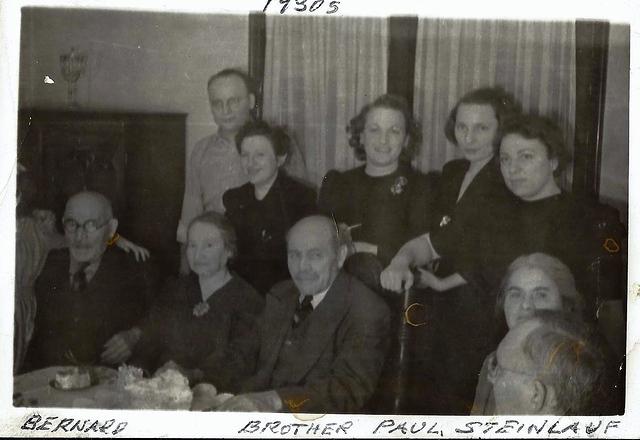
[136,159]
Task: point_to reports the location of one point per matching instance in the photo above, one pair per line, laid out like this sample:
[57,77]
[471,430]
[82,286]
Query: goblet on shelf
[72,65]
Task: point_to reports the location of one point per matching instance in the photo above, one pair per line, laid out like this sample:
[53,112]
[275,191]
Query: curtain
[319,72]
[533,60]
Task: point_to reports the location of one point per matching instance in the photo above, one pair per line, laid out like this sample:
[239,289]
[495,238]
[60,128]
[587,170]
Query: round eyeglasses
[71,226]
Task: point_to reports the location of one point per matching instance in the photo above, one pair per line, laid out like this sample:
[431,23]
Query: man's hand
[397,277]
[119,348]
[139,252]
[267,401]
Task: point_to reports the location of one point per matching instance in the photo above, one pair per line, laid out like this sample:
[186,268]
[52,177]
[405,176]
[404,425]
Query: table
[34,389]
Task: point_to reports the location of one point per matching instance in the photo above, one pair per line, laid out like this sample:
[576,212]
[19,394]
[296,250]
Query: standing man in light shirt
[214,165]
[324,334]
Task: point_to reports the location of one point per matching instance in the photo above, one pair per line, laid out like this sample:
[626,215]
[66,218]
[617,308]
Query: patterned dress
[31,254]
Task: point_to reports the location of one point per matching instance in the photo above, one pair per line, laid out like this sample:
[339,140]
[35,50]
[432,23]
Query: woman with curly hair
[384,202]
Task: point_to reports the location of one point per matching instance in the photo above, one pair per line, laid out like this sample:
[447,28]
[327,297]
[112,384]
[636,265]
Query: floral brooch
[398,186]
[445,220]
[200,309]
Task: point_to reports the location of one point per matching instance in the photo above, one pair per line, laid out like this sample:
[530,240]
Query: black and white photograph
[302,219]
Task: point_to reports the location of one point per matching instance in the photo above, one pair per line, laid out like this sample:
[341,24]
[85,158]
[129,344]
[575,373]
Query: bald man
[549,364]
[88,295]
[323,336]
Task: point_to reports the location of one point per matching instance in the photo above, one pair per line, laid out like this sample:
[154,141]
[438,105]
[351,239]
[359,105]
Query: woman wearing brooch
[473,205]
[384,202]
[204,323]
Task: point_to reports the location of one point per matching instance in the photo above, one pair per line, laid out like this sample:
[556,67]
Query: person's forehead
[84,208]
[224,86]
[201,230]
[529,277]
[256,142]
[475,112]
[310,236]
[392,115]
[514,142]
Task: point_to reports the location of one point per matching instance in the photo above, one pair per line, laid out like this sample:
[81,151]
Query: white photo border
[187,424]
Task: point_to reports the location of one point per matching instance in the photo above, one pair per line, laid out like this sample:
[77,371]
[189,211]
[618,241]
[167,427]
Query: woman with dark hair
[585,235]
[263,210]
[471,202]
[203,324]
[532,282]
[384,202]
[461,229]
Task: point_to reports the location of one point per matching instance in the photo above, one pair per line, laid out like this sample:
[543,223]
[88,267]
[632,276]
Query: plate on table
[94,380]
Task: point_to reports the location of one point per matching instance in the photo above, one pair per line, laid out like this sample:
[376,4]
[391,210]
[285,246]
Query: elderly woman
[204,322]
[532,282]
[471,200]
[384,202]
[263,210]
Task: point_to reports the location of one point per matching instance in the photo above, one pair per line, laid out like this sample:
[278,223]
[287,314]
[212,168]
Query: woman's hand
[428,280]
[363,246]
[397,277]
[120,347]
[139,252]
[46,220]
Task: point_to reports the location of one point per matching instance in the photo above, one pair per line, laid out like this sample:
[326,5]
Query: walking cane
[402,360]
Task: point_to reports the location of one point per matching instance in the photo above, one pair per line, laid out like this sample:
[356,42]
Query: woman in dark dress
[584,234]
[204,323]
[263,210]
[384,202]
[380,205]
[450,349]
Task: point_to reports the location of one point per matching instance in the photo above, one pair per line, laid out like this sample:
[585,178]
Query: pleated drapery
[319,72]
[533,60]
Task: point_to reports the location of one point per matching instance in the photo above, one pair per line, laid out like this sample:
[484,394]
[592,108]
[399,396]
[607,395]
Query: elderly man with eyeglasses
[551,364]
[90,295]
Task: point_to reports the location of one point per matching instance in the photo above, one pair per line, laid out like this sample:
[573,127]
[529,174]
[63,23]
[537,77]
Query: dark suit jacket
[342,353]
[261,227]
[80,322]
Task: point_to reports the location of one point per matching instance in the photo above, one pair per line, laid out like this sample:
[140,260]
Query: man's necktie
[302,311]
[79,278]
